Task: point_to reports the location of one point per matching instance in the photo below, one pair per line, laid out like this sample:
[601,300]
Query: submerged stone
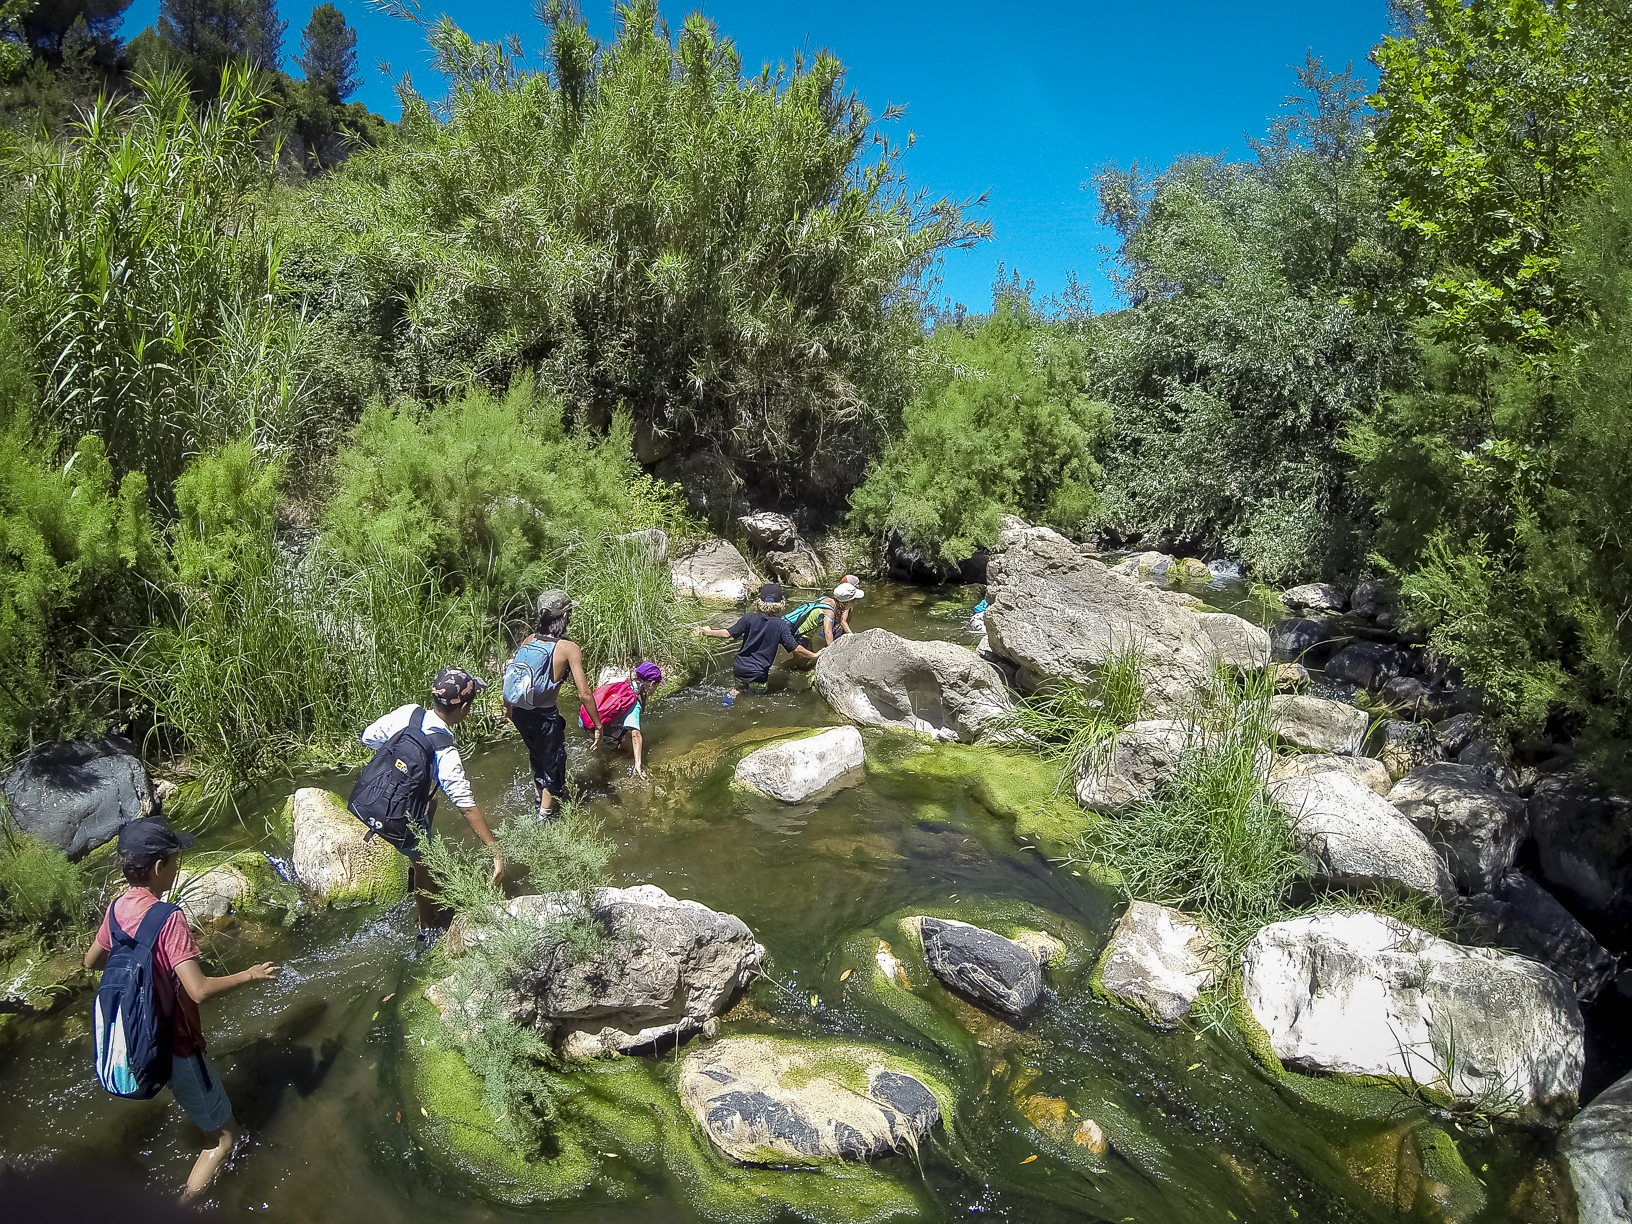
[768,1101]
[803,767]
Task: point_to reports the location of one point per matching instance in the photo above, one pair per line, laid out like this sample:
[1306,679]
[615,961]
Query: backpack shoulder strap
[115,931]
[153,922]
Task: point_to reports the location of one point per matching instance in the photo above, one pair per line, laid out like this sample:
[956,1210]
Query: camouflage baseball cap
[454,686]
[555,603]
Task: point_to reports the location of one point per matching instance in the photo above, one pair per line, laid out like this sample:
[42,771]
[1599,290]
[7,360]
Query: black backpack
[132,1038]
[393,793]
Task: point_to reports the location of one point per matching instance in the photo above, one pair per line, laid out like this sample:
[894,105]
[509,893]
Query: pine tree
[46,22]
[328,52]
[205,35]
[263,33]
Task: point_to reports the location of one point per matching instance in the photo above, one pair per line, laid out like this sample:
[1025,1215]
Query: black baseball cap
[144,842]
[771,592]
[454,686]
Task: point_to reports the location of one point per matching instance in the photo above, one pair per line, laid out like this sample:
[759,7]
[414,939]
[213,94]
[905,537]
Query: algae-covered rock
[1158,962]
[799,768]
[210,896]
[768,1101]
[666,968]
[334,862]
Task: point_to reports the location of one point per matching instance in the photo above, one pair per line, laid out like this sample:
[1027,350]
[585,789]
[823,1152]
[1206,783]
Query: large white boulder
[1597,1151]
[717,572]
[768,529]
[667,967]
[1140,756]
[1476,823]
[1058,613]
[940,688]
[1158,962]
[1357,839]
[1360,994]
[1369,773]
[1318,724]
[333,856]
[799,768]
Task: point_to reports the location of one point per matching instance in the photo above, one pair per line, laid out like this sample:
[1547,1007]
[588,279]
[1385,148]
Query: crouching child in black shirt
[762,631]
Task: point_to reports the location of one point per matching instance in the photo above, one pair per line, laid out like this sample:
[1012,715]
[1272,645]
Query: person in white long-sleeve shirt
[453,697]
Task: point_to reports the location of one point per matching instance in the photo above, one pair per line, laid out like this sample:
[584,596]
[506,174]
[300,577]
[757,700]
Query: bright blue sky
[1023,107]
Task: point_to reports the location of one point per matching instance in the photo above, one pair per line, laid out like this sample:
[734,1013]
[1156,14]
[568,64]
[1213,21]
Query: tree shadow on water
[268,1068]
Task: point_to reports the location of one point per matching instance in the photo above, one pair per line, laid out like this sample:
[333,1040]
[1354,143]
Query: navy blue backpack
[132,1039]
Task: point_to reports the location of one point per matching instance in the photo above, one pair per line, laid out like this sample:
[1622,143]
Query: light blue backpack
[530,675]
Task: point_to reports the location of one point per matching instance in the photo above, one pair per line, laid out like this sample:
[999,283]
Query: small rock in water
[891,967]
[797,769]
[981,965]
[1322,596]
[1158,962]
[1090,1136]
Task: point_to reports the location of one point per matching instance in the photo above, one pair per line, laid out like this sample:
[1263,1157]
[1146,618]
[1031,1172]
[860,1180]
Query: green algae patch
[890,981]
[1031,791]
[1447,1182]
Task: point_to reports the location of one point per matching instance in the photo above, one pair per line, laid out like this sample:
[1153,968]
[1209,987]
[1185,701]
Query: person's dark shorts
[545,734]
[748,674]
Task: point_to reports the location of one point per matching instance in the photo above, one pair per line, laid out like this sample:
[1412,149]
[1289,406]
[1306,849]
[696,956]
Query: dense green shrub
[39,887]
[224,515]
[731,259]
[76,550]
[1001,426]
[487,491]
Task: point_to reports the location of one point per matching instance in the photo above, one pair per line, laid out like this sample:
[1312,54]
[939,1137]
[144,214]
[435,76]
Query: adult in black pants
[542,728]
[762,631]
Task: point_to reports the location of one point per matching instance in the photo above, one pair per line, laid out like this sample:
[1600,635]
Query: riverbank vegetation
[558,306]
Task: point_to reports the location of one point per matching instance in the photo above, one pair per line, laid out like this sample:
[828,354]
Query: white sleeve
[382,729]
[450,775]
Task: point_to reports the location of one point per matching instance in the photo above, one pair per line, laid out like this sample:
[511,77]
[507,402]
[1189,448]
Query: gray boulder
[1059,614]
[767,1101]
[77,795]
[1358,840]
[1584,841]
[1477,825]
[940,688]
[1140,756]
[797,566]
[1360,994]
[769,530]
[797,769]
[1432,701]
[1370,664]
[1403,746]
[1298,639]
[652,543]
[1143,565]
[1319,725]
[1237,643]
[1321,596]
[667,968]
[1491,760]
[1158,962]
[1518,913]
[981,966]
[716,572]
[1369,773]
[1597,1150]
[1373,600]
[1457,733]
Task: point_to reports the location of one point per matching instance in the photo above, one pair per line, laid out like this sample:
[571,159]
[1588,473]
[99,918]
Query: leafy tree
[328,52]
[45,23]
[1243,354]
[1492,114]
[733,260]
[1002,425]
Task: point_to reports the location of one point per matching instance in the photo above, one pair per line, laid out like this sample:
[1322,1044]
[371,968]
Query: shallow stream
[315,1062]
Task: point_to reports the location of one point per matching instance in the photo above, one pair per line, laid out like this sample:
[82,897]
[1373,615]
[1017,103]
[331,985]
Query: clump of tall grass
[1211,840]
[499,951]
[626,607]
[1075,723]
[39,887]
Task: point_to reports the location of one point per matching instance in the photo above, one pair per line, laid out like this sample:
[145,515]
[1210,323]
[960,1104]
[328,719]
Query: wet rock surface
[981,965]
[1369,773]
[1370,665]
[1300,639]
[1477,825]
[1158,962]
[1597,1151]
[1357,839]
[939,688]
[77,795]
[800,768]
[1360,994]
[1519,913]
[667,967]
[335,859]
[764,1101]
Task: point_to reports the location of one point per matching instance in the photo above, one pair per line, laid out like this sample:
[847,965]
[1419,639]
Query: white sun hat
[845,592]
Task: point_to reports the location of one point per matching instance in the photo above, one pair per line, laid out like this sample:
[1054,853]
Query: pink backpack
[613,701]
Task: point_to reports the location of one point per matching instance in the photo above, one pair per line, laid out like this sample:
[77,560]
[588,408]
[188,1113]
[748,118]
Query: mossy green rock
[622,1125]
[335,861]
